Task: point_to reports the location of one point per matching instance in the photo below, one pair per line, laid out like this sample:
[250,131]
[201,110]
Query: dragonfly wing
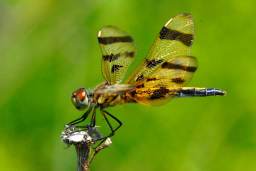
[118,52]
[164,83]
[174,40]
[169,64]
[175,72]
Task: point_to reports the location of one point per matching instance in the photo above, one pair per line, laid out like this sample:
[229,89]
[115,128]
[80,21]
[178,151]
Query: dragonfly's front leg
[81,119]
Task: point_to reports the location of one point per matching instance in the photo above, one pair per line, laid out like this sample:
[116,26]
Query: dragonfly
[162,75]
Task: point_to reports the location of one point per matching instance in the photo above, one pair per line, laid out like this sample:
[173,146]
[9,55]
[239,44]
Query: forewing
[118,52]
[174,40]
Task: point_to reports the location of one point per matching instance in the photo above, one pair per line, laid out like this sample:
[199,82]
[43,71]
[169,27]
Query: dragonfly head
[80,99]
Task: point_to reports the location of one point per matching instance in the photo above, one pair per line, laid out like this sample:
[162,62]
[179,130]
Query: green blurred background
[49,48]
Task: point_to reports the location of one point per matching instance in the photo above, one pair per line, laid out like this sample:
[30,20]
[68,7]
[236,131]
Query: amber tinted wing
[164,83]
[118,52]
[175,72]
[174,40]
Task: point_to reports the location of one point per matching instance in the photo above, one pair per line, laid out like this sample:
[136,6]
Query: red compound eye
[79,99]
[80,94]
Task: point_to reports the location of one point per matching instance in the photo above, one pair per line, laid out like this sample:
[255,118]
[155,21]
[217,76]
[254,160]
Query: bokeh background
[49,48]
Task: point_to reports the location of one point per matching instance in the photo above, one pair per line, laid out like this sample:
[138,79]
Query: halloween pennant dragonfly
[162,76]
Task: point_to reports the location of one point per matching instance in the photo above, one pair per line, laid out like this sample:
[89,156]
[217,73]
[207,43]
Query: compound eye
[79,99]
[81,94]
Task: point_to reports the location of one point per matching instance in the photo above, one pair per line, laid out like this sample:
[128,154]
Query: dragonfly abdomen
[194,91]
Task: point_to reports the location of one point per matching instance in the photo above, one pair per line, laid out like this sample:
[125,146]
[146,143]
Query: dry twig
[84,139]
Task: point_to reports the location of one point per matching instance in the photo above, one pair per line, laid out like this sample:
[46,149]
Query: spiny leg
[81,119]
[93,119]
[104,113]
[109,124]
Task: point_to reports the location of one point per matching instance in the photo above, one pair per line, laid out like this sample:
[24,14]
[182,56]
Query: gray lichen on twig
[84,139]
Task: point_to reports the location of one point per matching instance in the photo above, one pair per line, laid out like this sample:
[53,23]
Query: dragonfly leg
[81,119]
[113,130]
[93,119]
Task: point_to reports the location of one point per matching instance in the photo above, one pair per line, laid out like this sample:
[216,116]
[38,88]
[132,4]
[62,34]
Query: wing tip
[104,28]
[111,30]
[185,15]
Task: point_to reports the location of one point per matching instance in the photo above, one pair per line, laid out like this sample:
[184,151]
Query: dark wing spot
[140,77]
[169,34]
[111,57]
[115,68]
[140,85]
[110,40]
[152,63]
[129,54]
[159,93]
[152,79]
[169,65]
[178,80]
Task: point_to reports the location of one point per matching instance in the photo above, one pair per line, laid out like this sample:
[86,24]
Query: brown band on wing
[170,34]
[140,85]
[113,57]
[129,54]
[178,80]
[110,40]
[115,68]
[140,77]
[151,79]
[177,66]
[159,93]
[152,63]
